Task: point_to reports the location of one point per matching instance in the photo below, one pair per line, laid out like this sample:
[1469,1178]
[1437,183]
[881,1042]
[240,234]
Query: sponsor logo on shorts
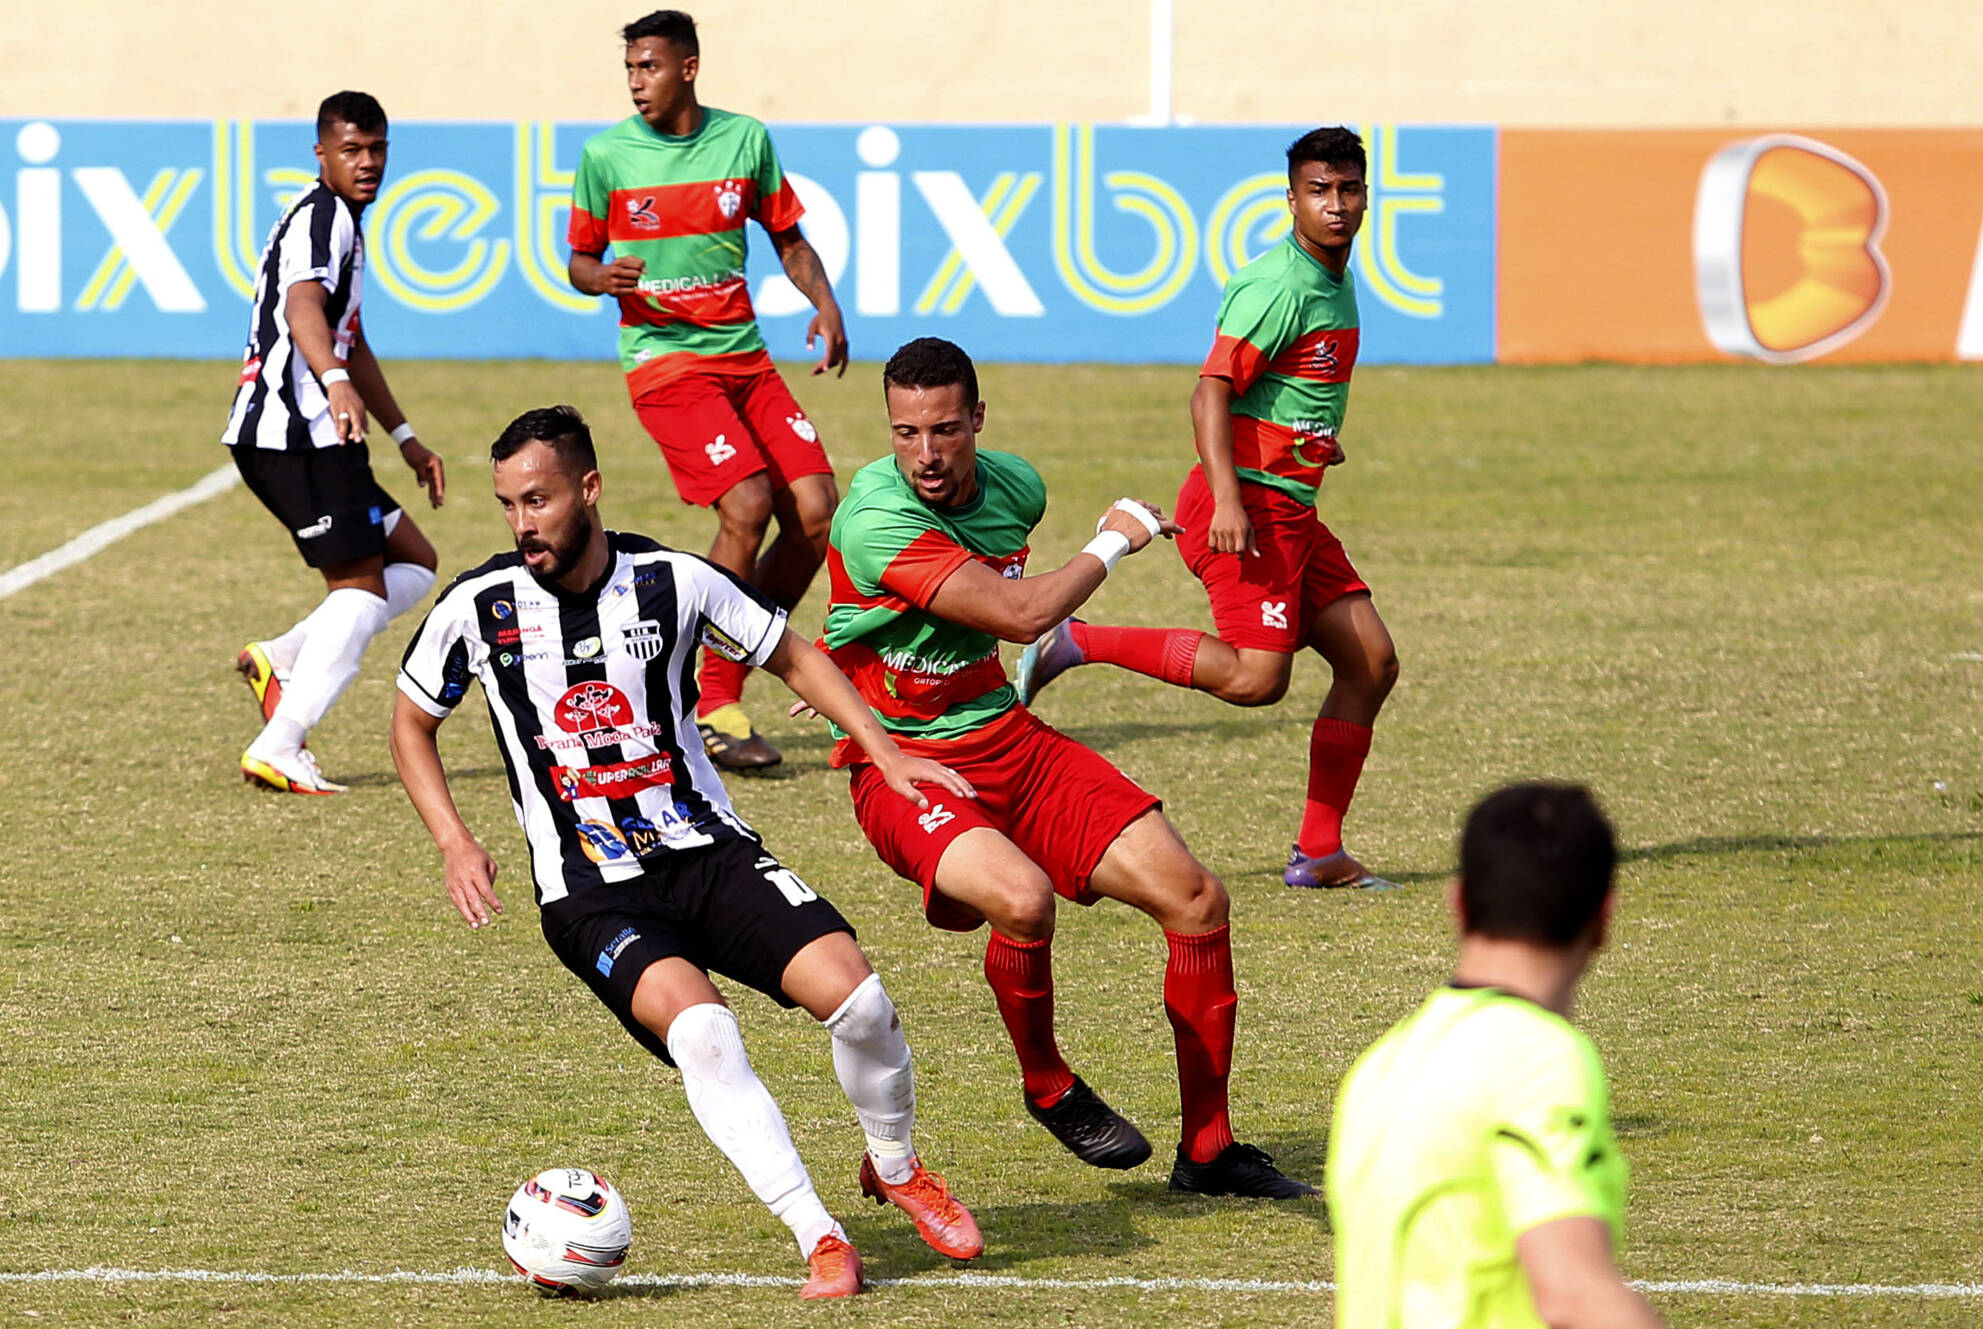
[938,816]
[607,957]
[642,639]
[723,643]
[321,526]
[719,451]
[803,427]
[1273,613]
[601,843]
[729,198]
[377,516]
[613,779]
[592,706]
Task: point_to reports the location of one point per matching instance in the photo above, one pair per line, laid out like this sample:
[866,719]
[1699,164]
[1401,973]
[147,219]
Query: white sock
[872,1059]
[739,1117]
[406,585]
[333,647]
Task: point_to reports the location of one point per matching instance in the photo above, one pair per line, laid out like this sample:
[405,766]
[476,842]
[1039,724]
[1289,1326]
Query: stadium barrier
[1047,242]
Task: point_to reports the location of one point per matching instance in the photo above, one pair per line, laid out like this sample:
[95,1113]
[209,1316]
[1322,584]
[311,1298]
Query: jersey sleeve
[732,617]
[1552,1152]
[445,653]
[591,201]
[778,207]
[315,247]
[892,551]
[1257,321]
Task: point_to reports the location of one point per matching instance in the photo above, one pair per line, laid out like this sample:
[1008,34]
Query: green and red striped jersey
[930,681]
[1287,341]
[681,204]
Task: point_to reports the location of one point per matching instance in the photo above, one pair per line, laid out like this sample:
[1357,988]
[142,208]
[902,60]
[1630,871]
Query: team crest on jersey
[643,639]
[590,706]
[803,428]
[729,199]
[641,214]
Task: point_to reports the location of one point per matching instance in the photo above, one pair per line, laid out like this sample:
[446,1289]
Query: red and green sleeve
[778,207]
[1257,321]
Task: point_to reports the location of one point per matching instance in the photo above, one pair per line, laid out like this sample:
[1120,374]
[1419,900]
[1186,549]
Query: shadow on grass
[1709,845]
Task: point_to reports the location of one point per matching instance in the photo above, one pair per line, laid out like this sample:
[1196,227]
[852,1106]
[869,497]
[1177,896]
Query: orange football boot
[941,1220]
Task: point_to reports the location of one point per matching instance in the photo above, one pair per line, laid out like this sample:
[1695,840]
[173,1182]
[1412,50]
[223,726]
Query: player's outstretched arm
[369,377]
[1573,1281]
[1021,610]
[805,271]
[1230,531]
[818,682]
[466,867]
[303,308]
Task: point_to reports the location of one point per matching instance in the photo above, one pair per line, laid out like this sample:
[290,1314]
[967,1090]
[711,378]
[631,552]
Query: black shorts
[729,908]
[334,509]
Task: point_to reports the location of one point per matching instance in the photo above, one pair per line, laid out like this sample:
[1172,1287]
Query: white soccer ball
[567,1230]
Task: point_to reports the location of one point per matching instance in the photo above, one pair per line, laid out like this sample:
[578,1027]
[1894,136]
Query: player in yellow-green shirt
[1474,1181]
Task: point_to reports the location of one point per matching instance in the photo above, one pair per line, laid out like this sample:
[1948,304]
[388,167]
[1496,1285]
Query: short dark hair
[360,110]
[931,362]
[670,24]
[1536,862]
[559,428]
[1335,145]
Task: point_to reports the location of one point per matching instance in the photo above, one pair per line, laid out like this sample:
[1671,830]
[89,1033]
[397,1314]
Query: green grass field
[245,1032]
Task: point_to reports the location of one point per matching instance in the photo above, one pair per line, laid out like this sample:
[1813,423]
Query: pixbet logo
[590,706]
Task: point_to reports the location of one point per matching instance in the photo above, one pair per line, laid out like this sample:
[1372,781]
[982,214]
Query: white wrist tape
[334,376]
[1109,547]
[1136,510]
[404,432]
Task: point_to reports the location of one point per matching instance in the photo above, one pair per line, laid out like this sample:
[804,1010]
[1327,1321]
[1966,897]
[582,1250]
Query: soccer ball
[567,1230]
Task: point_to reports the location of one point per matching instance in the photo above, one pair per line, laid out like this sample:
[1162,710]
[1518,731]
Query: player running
[646,878]
[1473,1176]
[1265,416]
[926,566]
[670,188]
[297,434]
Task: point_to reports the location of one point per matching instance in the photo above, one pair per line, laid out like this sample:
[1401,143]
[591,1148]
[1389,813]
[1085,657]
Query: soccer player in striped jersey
[309,383]
[927,566]
[646,877]
[1266,412]
[1474,1181]
[670,189]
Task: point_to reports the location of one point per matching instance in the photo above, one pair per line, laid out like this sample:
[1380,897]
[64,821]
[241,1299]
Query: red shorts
[1269,601]
[1060,802]
[718,429]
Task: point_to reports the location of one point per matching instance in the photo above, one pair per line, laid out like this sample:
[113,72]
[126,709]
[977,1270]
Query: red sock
[720,681]
[1336,749]
[1021,978]
[1165,653]
[1199,998]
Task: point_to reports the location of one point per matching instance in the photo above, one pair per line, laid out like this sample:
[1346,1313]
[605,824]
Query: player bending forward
[1269,402]
[926,562]
[1474,1181]
[297,432]
[646,878]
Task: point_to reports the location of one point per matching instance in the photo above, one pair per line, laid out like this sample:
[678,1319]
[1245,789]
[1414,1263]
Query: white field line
[100,537]
[1001,1282]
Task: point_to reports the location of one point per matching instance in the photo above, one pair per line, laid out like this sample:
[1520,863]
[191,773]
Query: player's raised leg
[1351,636]
[676,1001]
[832,979]
[1149,867]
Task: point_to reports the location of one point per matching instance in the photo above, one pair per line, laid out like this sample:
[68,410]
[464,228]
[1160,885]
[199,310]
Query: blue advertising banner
[1027,243]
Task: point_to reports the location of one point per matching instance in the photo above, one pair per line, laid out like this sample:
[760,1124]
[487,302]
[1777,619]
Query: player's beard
[564,554]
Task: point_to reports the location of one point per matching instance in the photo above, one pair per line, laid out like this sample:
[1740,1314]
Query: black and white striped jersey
[593,698]
[279,403]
